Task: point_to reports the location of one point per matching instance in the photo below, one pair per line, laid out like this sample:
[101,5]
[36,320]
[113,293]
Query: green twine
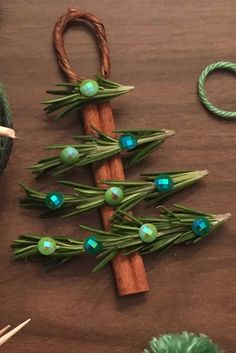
[5,120]
[221,65]
[182,343]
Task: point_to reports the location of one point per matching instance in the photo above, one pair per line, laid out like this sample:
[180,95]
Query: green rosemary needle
[92,149]
[173,228]
[86,197]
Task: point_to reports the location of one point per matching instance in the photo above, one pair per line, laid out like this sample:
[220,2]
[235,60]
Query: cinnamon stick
[129,271]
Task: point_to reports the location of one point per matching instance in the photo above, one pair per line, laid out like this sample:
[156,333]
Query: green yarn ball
[182,343]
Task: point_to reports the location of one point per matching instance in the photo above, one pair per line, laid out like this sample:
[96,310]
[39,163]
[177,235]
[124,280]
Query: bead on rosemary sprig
[122,195]
[136,144]
[145,235]
[76,95]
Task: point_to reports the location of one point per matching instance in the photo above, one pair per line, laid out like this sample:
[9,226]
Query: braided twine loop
[221,65]
[6,121]
[72,16]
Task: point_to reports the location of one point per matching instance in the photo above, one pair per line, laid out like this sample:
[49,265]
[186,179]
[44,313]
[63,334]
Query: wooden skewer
[4,329]
[7,132]
[11,333]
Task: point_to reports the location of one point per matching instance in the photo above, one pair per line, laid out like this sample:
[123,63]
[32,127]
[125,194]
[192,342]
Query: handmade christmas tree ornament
[129,234]
[135,145]
[221,65]
[97,115]
[121,195]
[185,342]
[6,131]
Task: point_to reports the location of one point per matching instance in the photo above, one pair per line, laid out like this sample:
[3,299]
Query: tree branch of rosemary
[174,228]
[86,197]
[101,147]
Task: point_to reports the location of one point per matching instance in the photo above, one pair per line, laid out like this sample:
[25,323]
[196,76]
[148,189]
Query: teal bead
[89,88]
[164,183]
[47,246]
[128,142]
[69,155]
[114,196]
[54,200]
[201,226]
[92,245]
[148,232]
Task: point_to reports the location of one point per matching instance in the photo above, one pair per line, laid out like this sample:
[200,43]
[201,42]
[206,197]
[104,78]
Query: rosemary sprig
[67,249]
[72,100]
[174,228]
[97,148]
[86,197]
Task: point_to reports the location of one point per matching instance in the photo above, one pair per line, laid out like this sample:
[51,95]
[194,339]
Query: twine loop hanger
[73,16]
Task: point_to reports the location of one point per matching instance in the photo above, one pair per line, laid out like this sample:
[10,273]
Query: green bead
[114,196]
[148,232]
[47,246]
[201,226]
[92,245]
[164,183]
[69,155]
[89,88]
[54,200]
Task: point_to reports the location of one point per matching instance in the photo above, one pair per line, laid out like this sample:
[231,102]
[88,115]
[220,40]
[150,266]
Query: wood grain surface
[161,48]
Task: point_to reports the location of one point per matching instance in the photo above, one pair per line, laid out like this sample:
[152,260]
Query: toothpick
[8,335]
[7,132]
[4,329]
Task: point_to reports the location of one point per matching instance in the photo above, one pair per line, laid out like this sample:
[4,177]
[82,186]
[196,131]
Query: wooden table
[161,48]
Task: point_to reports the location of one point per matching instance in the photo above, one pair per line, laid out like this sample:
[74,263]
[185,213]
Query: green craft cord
[221,65]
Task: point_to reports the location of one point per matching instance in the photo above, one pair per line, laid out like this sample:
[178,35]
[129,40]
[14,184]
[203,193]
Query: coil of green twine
[221,65]
[6,121]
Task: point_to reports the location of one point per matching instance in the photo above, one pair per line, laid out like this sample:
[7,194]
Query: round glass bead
[148,232]
[114,196]
[201,226]
[69,155]
[89,88]
[128,142]
[47,246]
[164,183]
[92,245]
[54,200]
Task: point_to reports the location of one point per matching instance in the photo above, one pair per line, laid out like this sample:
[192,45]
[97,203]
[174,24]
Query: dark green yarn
[5,120]
[182,343]
[221,65]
